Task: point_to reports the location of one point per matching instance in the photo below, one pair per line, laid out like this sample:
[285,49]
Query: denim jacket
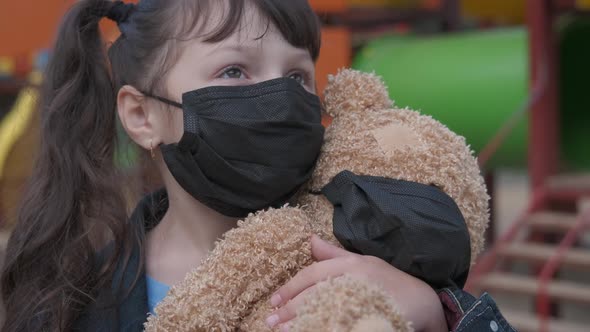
[463,312]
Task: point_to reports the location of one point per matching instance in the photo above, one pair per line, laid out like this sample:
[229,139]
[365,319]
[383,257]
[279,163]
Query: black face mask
[415,227]
[246,148]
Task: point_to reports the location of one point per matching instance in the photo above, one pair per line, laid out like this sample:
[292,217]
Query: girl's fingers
[288,311]
[332,262]
[322,250]
[313,274]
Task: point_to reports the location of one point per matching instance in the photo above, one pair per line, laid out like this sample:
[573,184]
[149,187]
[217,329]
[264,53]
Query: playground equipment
[472,82]
[477,83]
[18,145]
[549,233]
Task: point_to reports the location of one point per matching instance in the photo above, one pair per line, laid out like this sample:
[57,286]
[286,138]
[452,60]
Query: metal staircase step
[557,289]
[557,222]
[526,322]
[575,258]
[569,182]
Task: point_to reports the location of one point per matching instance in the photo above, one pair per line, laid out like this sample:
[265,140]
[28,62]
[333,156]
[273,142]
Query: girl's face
[256,52]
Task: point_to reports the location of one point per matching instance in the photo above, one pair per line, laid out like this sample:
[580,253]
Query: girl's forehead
[251,26]
[248,42]
[254,32]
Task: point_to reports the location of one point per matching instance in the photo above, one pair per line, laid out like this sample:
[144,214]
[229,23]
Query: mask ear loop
[167,102]
[162,99]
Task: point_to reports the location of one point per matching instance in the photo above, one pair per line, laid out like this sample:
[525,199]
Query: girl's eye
[232,73]
[298,77]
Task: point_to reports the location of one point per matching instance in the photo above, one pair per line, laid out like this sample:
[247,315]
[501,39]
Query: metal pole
[543,154]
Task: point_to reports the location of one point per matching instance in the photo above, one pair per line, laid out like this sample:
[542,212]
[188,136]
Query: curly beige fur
[251,261]
[360,93]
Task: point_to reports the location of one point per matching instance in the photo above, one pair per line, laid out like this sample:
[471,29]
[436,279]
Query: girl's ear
[136,118]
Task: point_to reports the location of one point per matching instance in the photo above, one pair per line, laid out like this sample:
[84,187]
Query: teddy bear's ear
[355,91]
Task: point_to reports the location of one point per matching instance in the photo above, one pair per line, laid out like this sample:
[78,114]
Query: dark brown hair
[73,205]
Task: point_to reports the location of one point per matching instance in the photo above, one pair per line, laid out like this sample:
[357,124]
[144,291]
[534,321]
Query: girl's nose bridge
[270,74]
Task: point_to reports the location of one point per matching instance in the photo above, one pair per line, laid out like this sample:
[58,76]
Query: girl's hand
[415,299]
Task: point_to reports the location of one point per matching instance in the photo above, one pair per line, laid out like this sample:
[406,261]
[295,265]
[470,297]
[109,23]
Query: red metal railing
[548,270]
[489,259]
[542,107]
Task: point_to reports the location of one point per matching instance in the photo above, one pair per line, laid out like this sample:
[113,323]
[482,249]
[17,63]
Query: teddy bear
[389,182]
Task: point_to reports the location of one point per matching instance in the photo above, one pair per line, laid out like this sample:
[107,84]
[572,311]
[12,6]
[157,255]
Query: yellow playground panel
[18,144]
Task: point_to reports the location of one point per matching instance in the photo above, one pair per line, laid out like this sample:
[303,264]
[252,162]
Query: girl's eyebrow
[234,47]
[299,55]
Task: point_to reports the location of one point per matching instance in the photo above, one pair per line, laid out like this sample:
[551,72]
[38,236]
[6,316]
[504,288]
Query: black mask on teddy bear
[417,228]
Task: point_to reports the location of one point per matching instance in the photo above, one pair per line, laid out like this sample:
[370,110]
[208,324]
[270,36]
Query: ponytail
[72,203]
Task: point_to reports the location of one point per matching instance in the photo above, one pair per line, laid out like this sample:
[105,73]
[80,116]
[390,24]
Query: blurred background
[509,75]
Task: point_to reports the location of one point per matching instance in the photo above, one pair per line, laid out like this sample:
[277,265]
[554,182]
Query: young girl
[221,93]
